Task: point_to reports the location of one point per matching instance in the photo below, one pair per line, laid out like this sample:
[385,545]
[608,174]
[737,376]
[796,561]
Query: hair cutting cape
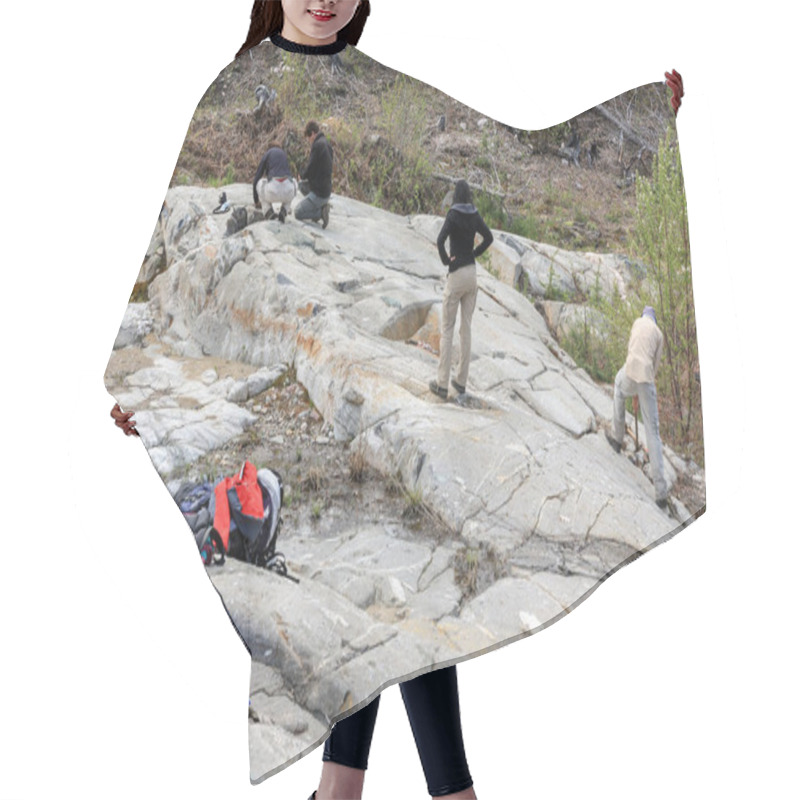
[423,531]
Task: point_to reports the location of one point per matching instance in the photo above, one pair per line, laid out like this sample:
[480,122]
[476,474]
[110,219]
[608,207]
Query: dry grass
[388,149]
[357,462]
[477,568]
[314,480]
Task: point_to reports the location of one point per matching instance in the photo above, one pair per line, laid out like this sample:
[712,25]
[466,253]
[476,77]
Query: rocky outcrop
[564,319]
[518,469]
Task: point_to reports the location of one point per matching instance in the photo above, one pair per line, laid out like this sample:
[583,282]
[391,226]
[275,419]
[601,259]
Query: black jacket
[461,224]
[319,170]
[275,164]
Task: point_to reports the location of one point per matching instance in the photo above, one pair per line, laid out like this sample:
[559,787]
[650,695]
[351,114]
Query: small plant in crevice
[314,479]
[477,568]
[415,506]
[357,462]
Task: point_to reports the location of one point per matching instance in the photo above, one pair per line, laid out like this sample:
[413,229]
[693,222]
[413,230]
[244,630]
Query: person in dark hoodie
[461,224]
[318,173]
[273,183]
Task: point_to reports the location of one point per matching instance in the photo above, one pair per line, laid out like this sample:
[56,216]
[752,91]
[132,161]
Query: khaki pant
[461,290]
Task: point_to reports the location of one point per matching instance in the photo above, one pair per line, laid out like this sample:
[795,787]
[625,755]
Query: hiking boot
[270,214]
[326,215]
[614,443]
[282,215]
[438,390]
[662,503]
[458,387]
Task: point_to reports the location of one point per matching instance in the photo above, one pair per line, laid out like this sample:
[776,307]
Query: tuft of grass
[415,506]
[357,464]
[315,479]
[477,568]
[394,486]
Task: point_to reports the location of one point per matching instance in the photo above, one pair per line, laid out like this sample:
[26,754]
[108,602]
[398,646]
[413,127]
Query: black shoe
[282,215]
[326,215]
[313,795]
[613,442]
[458,387]
[662,504]
[438,390]
[270,214]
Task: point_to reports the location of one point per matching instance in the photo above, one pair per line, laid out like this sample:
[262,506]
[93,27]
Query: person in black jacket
[461,224]
[273,183]
[318,173]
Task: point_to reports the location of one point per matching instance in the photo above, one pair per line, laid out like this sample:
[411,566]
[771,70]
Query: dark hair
[462,193]
[266,19]
[311,129]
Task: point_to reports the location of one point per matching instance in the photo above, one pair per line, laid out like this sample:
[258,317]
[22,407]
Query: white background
[120,675]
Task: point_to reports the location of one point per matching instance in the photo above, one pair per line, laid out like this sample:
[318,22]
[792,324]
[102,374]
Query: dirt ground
[328,487]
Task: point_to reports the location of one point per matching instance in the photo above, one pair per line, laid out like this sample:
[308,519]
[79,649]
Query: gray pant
[276,191]
[461,291]
[648,403]
[310,207]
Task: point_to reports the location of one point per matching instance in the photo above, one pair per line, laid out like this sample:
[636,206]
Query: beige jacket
[644,351]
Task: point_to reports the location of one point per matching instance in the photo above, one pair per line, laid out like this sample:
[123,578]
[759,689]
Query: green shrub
[661,240]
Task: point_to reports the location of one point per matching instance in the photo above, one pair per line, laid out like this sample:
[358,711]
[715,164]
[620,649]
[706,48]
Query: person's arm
[312,162]
[443,234]
[262,168]
[486,235]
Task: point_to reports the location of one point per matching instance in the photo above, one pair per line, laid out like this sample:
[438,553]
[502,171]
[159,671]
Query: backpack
[238,517]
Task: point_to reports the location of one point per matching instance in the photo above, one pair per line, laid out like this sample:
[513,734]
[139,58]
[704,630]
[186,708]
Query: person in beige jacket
[638,378]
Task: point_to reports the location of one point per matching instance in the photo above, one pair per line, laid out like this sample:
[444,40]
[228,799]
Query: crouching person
[273,183]
[318,174]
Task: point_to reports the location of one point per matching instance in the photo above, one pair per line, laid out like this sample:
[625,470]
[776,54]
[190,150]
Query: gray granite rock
[441,598]
[519,474]
[262,379]
[265,679]
[282,712]
[136,324]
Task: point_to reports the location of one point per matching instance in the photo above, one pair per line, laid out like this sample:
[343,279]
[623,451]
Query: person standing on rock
[318,173]
[273,183]
[637,378]
[461,224]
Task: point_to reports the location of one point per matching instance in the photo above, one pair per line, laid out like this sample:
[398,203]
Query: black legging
[432,707]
